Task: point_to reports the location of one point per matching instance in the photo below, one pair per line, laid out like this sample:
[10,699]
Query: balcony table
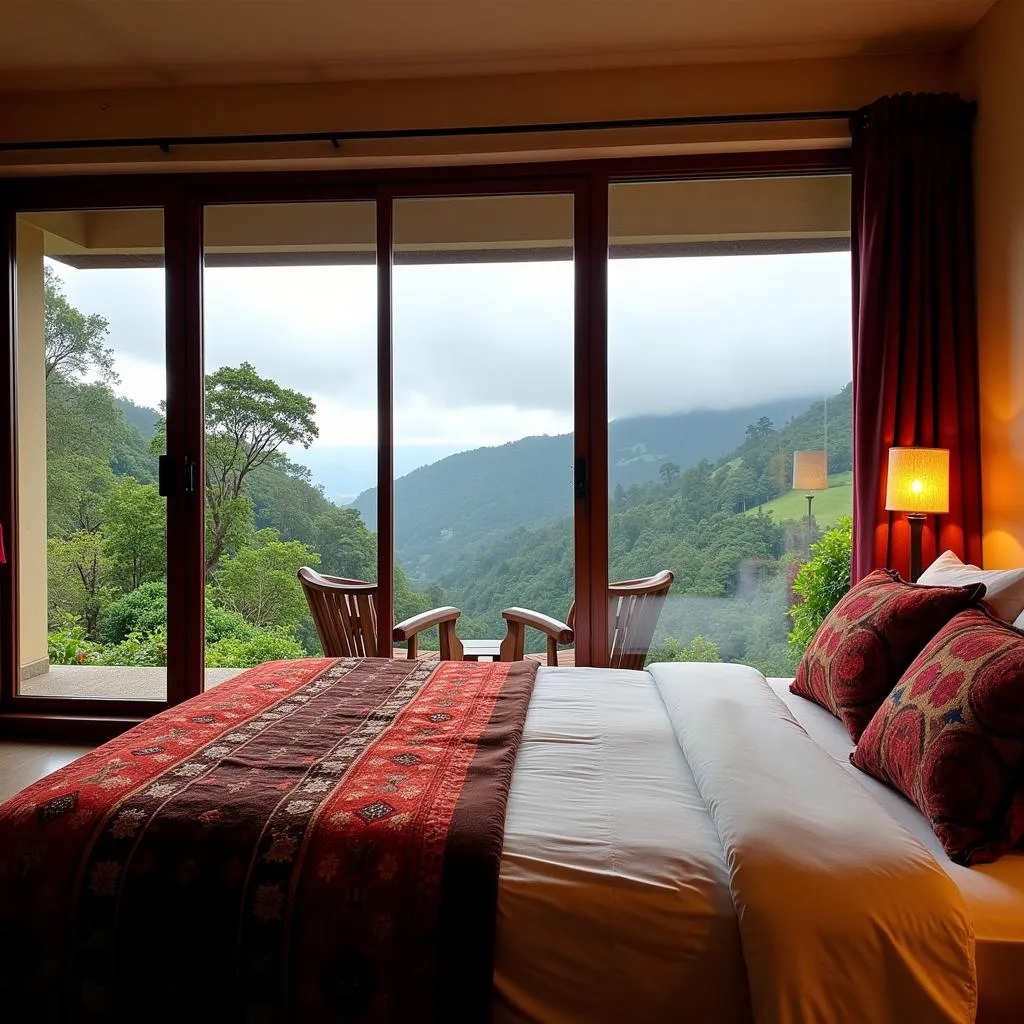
[475,650]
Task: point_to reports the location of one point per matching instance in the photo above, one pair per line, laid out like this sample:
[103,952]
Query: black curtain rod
[164,143]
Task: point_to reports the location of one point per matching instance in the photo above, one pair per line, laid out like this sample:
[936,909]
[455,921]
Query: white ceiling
[53,44]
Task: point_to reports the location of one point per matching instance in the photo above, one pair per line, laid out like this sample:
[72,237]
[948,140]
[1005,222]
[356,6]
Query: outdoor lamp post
[810,473]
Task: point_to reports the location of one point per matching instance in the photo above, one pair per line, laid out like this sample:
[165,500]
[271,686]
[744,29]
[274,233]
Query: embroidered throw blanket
[313,840]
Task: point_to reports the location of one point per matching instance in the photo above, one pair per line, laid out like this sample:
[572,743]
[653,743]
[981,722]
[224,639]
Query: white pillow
[1004,588]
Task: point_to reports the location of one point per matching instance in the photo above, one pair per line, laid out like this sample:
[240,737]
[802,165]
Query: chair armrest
[425,620]
[517,620]
[559,631]
[409,629]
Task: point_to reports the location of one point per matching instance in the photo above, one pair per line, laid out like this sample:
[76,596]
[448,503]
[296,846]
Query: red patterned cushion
[868,641]
[950,737]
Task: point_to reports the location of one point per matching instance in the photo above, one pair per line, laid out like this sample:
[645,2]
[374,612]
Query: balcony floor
[126,682]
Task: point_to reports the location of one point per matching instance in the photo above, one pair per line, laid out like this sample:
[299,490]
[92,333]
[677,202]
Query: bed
[691,839]
[613,870]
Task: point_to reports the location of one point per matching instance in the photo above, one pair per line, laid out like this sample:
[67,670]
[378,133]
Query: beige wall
[993,70]
[31,449]
[563,96]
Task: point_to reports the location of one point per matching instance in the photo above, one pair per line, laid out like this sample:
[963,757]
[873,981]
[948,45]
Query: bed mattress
[613,870]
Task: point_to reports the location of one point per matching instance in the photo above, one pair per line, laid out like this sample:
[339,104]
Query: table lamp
[810,473]
[918,484]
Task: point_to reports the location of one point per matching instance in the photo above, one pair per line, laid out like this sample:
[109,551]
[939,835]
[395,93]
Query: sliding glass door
[91,389]
[290,342]
[483,342]
[491,392]
[729,367]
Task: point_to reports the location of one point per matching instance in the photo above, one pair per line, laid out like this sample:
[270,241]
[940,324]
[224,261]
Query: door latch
[168,481]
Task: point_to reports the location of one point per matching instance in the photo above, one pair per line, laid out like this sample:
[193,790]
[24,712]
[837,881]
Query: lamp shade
[810,471]
[918,480]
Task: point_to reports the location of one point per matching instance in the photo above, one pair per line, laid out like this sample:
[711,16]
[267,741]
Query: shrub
[142,610]
[263,645]
[69,646]
[821,582]
[700,648]
[222,623]
[135,649]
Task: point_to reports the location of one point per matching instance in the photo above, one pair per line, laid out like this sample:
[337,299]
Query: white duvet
[677,848]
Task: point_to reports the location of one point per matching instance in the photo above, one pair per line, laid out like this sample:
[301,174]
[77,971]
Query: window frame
[183,198]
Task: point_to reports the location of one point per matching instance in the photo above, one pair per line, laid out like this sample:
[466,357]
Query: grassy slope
[828,505]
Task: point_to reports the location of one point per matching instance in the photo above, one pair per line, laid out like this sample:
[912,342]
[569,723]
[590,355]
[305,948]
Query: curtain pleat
[915,347]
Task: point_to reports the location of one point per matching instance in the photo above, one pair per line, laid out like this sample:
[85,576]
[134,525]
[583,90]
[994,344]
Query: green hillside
[709,523]
[474,498]
[828,505]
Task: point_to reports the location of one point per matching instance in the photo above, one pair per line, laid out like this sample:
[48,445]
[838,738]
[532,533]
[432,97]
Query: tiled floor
[130,682]
[21,764]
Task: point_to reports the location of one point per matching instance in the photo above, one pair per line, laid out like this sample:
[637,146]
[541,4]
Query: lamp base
[916,520]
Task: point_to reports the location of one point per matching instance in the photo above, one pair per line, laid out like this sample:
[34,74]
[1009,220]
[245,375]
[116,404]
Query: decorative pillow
[950,737]
[1004,588]
[868,641]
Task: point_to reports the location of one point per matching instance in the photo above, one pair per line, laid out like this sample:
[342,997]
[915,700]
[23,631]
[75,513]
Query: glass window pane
[290,307]
[483,415]
[91,385]
[729,362]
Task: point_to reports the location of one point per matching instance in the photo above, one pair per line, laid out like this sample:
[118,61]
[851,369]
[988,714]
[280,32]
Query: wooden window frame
[183,198]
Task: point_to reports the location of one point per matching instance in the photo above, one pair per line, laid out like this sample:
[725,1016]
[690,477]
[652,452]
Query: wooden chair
[345,613]
[634,610]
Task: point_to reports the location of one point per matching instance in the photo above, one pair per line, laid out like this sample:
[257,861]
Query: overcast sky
[483,352]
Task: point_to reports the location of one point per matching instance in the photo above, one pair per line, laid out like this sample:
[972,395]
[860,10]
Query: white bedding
[618,888]
[612,873]
[994,893]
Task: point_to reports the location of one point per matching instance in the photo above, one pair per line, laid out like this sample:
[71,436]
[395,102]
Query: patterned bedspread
[313,840]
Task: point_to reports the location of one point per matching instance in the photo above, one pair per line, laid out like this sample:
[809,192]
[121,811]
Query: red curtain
[915,359]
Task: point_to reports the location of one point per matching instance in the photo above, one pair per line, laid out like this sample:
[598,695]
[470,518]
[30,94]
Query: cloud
[483,352]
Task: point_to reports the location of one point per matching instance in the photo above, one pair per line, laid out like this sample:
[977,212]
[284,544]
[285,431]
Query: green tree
[82,428]
[346,547]
[74,341]
[761,430]
[134,533]
[669,473]
[739,488]
[285,499]
[143,610]
[78,586]
[261,582]
[248,419]
[699,648]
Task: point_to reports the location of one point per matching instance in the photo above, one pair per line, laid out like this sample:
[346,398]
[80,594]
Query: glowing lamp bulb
[918,481]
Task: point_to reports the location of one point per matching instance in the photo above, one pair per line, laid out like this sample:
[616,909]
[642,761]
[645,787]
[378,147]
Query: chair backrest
[345,614]
[634,609]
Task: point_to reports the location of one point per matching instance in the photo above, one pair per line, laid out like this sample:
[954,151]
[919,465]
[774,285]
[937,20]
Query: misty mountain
[694,524]
[444,509]
[345,472]
[139,416]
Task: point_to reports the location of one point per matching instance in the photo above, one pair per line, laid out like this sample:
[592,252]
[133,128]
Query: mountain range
[444,509]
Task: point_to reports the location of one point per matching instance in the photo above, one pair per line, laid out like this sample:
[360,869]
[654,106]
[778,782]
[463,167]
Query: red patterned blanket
[311,841]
